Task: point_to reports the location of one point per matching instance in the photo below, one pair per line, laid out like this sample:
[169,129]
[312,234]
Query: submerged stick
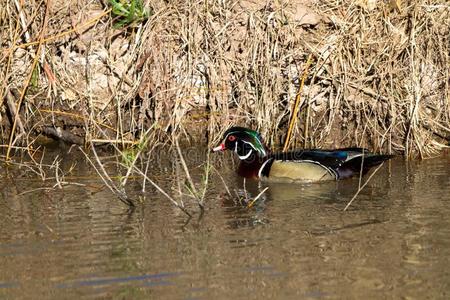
[362,187]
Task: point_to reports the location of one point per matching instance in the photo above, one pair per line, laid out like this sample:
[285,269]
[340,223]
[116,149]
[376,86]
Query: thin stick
[361,171]
[120,193]
[147,165]
[256,198]
[188,175]
[223,181]
[362,187]
[206,180]
[182,208]
[296,104]
[62,34]
[143,142]
[12,109]
[23,21]
[107,179]
[115,141]
[63,183]
[28,79]
[77,116]
[245,189]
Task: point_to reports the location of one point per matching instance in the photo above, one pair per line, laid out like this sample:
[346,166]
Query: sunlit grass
[129,12]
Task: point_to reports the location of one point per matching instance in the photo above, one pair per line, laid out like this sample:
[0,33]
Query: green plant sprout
[129,12]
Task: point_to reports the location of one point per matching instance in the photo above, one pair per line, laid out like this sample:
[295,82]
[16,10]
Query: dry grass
[390,70]
[380,75]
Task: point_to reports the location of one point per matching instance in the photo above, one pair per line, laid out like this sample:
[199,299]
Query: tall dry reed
[379,76]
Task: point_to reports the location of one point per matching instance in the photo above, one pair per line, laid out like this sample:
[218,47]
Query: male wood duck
[301,165]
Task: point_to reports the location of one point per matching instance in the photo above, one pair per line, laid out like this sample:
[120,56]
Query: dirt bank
[378,74]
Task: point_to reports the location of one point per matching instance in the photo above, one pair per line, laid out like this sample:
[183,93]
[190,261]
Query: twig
[182,208]
[78,116]
[361,170]
[188,175]
[12,109]
[62,34]
[23,21]
[36,190]
[28,79]
[296,104]
[133,166]
[205,181]
[256,198]
[147,165]
[107,179]
[245,188]
[223,181]
[362,187]
[113,141]
[63,183]
[143,143]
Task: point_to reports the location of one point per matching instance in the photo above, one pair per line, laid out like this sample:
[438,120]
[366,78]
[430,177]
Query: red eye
[231,138]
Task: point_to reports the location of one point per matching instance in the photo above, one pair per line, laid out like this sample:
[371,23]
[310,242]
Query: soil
[102,82]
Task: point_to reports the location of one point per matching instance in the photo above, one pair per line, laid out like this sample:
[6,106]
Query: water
[295,243]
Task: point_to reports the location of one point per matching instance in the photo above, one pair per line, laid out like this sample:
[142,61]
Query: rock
[305,16]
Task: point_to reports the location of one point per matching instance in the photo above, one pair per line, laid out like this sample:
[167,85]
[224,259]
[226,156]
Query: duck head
[246,143]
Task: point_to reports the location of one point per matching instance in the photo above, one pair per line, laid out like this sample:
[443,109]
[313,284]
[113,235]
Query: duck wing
[327,164]
[305,165]
[328,158]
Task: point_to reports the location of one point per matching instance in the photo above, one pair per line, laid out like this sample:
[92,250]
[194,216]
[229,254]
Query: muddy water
[295,243]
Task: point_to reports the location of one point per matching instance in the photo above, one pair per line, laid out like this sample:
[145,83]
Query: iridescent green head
[243,141]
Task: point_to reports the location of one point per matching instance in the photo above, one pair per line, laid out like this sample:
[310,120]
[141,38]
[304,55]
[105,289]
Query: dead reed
[379,76]
[389,63]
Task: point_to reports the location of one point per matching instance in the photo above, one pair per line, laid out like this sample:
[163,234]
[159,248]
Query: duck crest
[258,143]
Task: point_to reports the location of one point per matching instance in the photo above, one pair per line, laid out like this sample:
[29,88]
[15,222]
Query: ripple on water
[393,242]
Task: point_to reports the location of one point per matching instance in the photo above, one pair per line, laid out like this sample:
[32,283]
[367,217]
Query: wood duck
[301,165]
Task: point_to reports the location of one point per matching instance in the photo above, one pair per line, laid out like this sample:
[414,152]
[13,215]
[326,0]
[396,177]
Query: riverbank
[375,74]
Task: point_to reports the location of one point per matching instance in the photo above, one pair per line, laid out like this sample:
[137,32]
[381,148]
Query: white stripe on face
[246,156]
[243,157]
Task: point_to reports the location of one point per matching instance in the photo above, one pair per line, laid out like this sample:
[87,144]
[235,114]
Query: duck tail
[353,166]
[374,160]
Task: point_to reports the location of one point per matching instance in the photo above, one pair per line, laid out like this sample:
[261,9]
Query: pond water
[296,242]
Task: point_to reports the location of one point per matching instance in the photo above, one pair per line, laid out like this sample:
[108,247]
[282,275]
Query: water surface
[295,243]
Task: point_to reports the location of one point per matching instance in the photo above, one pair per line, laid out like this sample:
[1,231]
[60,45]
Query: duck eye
[231,138]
